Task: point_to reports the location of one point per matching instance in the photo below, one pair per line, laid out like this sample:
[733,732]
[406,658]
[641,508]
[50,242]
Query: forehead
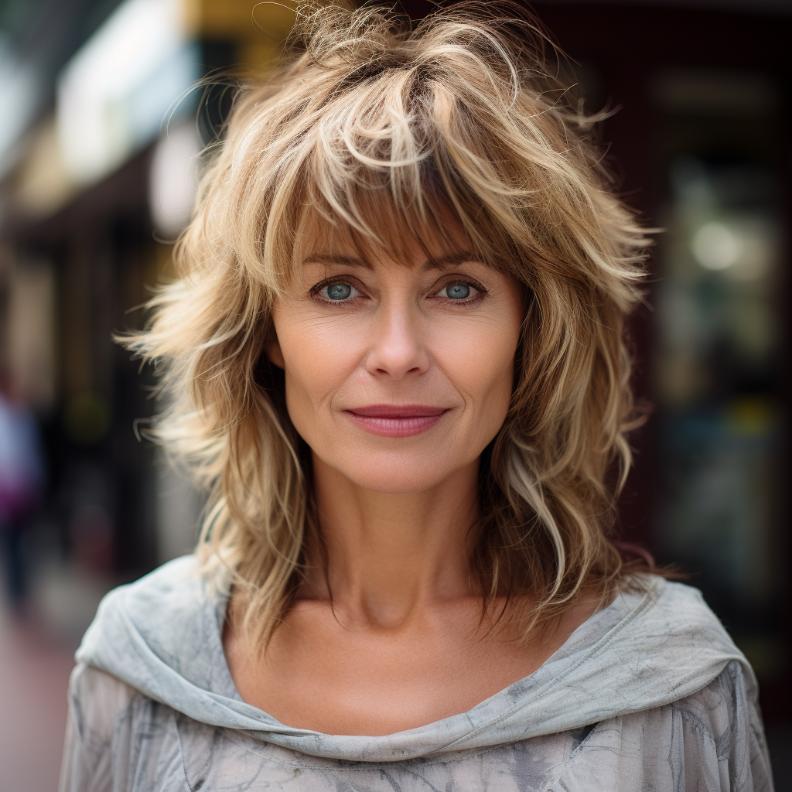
[400,241]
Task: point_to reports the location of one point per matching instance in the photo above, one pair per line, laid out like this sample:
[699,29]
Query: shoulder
[171,577]
[97,701]
[674,618]
[719,731]
[108,728]
[156,606]
[159,632]
[131,619]
[178,578]
[649,648]
[712,738]
[727,712]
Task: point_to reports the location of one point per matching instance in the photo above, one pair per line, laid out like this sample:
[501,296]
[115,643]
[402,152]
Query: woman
[396,358]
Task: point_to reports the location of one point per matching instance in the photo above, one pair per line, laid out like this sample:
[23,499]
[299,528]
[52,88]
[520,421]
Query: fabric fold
[162,635]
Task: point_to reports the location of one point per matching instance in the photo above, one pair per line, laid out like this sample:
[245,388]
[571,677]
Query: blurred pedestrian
[21,482]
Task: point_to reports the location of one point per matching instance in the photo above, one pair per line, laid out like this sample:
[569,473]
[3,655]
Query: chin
[387,477]
[392,485]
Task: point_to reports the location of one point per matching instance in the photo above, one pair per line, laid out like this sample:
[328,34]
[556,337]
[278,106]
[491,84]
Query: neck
[392,557]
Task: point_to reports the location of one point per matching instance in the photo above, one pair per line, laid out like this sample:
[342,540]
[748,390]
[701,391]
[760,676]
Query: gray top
[649,693]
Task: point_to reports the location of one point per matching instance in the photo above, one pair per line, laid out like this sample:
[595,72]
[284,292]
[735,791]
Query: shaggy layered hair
[380,127]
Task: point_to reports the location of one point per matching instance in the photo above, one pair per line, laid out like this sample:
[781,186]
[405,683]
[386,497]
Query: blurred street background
[101,126]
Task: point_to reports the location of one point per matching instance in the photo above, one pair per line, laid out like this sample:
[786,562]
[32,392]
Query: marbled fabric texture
[648,694]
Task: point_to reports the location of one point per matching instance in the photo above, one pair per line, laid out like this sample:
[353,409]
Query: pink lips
[410,419]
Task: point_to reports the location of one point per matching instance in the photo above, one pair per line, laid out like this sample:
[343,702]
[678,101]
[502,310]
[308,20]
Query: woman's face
[386,334]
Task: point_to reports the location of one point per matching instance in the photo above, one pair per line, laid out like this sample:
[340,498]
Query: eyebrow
[442,262]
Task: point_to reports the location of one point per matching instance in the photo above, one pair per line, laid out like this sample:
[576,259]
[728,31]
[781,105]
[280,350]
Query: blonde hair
[368,117]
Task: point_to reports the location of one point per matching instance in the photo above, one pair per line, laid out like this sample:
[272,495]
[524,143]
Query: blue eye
[338,292]
[455,287]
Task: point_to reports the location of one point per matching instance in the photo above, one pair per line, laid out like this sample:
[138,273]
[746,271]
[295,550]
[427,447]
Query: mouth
[398,411]
[396,426]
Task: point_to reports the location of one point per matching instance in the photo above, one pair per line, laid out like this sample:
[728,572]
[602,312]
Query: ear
[273,350]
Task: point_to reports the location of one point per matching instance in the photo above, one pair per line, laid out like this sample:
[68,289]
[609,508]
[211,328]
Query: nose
[397,344]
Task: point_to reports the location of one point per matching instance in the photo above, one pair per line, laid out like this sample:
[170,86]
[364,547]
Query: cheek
[484,360]
[316,359]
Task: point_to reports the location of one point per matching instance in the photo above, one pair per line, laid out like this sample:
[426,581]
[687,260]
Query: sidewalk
[36,658]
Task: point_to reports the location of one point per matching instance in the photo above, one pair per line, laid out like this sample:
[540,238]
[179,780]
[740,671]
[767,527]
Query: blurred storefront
[700,144]
[97,177]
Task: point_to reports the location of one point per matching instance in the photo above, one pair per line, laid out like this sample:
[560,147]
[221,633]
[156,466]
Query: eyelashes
[314,292]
